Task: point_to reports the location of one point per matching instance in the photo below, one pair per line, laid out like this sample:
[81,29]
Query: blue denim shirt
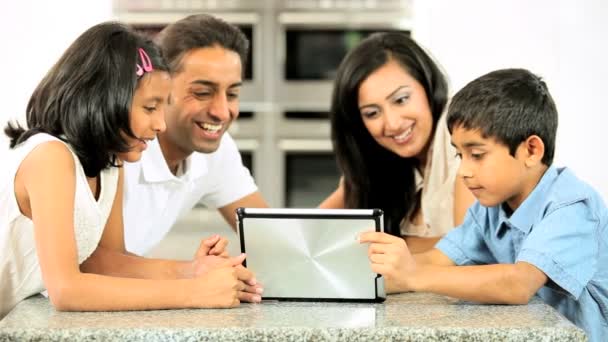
[561,229]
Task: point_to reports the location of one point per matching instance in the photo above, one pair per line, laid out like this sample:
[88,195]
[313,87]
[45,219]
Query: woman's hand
[390,257]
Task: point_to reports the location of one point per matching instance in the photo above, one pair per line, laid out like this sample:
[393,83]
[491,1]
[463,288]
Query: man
[194,159]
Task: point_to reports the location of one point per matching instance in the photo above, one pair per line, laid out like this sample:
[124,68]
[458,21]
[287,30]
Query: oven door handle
[305,145]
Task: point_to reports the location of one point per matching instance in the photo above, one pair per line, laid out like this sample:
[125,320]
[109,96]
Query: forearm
[117,264]
[499,284]
[91,292]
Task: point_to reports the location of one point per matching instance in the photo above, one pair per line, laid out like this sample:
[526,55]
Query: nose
[218,108]
[464,169]
[158,121]
[392,122]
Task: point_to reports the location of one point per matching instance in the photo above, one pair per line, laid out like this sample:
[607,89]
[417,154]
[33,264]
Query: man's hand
[391,258]
[214,245]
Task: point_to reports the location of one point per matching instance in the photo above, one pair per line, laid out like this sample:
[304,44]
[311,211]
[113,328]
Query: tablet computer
[311,254]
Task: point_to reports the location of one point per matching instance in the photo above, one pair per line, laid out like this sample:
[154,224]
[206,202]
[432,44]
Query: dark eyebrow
[155,98]
[396,90]
[214,85]
[388,96]
[469,144]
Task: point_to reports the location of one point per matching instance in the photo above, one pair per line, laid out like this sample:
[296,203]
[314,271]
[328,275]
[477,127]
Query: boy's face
[489,171]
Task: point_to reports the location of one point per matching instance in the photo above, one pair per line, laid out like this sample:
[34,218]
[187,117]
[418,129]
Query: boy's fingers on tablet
[377,237]
[378,258]
[377,248]
[380,268]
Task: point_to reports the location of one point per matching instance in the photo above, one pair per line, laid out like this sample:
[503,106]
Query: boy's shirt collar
[531,209]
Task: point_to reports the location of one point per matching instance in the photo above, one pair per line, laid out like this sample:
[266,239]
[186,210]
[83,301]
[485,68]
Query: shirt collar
[156,170]
[531,209]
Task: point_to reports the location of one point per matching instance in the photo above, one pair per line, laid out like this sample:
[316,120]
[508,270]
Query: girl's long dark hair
[375,177]
[85,98]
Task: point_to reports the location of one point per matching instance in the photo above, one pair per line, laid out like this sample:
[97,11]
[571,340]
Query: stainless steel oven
[314,36]
[309,171]
[151,16]
[283,130]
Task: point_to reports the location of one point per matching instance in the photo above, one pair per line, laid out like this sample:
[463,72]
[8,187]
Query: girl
[391,141]
[61,187]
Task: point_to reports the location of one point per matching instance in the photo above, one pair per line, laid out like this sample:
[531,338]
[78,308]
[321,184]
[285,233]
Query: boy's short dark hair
[200,31]
[509,105]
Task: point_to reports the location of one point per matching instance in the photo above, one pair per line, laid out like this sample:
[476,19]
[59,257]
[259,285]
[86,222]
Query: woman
[391,141]
[61,187]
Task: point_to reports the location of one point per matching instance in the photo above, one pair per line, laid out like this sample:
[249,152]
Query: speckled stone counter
[405,317]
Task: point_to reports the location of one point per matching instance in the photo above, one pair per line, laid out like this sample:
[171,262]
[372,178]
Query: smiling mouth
[208,127]
[404,136]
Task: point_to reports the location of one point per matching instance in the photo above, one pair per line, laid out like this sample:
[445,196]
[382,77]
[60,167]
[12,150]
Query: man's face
[488,169]
[205,99]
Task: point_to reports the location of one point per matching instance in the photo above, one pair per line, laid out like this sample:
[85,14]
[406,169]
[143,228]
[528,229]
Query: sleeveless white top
[20,275]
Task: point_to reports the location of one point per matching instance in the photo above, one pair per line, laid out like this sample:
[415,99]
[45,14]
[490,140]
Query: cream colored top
[437,186]
[20,275]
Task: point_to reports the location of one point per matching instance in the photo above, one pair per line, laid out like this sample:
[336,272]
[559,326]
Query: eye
[233,96]
[149,109]
[402,99]
[458,155]
[477,156]
[368,114]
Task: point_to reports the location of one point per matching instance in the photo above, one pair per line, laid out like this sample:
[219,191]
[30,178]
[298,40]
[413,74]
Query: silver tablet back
[311,254]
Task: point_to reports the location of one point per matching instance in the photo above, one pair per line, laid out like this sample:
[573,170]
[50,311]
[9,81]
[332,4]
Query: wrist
[184,269]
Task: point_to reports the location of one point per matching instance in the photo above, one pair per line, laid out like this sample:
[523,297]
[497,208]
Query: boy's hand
[391,258]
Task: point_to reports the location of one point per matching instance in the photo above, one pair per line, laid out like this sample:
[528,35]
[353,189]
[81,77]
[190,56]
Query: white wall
[563,41]
[33,35]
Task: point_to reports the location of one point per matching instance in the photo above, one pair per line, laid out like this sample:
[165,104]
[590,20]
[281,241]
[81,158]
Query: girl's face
[147,114]
[395,110]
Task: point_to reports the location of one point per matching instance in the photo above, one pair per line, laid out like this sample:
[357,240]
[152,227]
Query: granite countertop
[410,316]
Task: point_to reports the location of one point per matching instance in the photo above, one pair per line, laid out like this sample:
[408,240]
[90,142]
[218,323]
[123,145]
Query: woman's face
[395,110]
[147,114]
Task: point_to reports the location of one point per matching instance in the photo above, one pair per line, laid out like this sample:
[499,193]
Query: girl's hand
[391,258]
[226,286]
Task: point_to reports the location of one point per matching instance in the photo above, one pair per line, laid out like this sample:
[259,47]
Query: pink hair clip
[146,63]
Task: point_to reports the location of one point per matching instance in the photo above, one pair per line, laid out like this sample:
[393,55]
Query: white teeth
[404,135]
[210,127]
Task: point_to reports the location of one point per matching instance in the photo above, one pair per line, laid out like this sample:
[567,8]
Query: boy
[535,229]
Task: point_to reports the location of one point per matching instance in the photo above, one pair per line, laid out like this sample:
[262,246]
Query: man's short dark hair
[509,105]
[200,31]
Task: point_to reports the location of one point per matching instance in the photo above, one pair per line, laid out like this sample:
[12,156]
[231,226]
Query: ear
[534,150]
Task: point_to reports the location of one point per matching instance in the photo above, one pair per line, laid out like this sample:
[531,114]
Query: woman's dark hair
[85,98]
[375,177]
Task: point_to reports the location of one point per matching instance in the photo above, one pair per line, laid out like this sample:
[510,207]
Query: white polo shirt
[154,198]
